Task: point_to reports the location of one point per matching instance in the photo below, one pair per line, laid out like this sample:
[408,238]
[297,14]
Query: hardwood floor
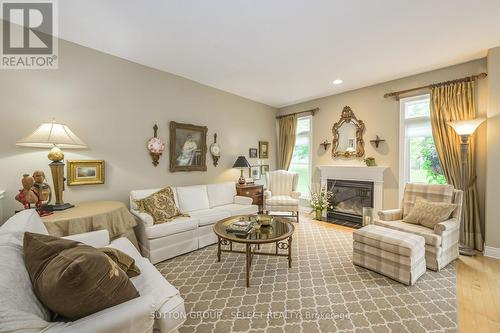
[478,289]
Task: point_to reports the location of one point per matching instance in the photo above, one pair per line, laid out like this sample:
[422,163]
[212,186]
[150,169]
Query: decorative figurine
[42,189]
[155,146]
[27,194]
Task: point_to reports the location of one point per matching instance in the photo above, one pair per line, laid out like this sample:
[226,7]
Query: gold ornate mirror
[348,135]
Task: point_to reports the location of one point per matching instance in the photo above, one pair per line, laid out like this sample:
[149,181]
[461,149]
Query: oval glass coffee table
[279,231]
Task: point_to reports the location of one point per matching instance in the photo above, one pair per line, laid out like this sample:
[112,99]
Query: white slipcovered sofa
[158,307]
[205,205]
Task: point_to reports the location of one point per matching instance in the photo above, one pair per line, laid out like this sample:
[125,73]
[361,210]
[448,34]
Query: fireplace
[350,198]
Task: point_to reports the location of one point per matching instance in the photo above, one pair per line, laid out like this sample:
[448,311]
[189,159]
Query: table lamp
[465,128]
[55,136]
[241,163]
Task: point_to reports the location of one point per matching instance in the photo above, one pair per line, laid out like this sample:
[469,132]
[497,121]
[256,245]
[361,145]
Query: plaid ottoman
[395,254]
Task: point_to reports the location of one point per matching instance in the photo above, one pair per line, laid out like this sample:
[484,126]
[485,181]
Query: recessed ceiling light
[337,81]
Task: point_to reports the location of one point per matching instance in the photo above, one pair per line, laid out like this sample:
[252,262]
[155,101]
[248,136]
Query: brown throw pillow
[124,261]
[160,205]
[429,213]
[74,280]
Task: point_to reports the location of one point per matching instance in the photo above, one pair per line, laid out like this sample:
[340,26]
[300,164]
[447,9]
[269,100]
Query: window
[301,160]
[419,161]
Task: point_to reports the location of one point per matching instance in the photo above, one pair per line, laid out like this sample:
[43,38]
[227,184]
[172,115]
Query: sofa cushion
[236,209]
[20,309]
[431,192]
[62,270]
[160,205]
[209,216]
[429,213]
[192,198]
[430,237]
[221,193]
[175,226]
[26,220]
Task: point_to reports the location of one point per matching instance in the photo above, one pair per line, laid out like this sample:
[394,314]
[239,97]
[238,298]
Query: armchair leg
[297,217]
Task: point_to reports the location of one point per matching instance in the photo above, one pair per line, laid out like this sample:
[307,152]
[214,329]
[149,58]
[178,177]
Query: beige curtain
[287,127]
[456,101]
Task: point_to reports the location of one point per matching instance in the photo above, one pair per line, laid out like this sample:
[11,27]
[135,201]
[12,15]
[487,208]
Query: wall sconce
[325,144]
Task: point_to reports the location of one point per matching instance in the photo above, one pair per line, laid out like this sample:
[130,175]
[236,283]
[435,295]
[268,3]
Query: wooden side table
[254,191]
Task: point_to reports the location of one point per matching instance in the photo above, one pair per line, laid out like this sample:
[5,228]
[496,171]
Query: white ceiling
[281,52]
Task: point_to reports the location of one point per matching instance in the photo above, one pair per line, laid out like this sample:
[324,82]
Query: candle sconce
[325,144]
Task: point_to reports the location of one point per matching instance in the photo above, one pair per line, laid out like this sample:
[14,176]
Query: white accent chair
[281,194]
[159,306]
[441,243]
[205,205]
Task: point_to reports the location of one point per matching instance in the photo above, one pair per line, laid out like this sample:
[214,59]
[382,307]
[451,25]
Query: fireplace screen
[350,198]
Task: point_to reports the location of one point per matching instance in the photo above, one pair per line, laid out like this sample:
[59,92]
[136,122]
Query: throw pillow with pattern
[429,213]
[160,205]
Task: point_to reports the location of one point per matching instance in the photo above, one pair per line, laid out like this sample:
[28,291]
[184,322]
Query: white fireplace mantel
[373,174]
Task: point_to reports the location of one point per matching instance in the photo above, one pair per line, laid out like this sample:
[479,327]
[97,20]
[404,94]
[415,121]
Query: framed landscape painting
[188,147]
[82,172]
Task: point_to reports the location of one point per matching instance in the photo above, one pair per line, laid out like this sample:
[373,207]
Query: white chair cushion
[192,198]
[221,194]
[173,227]
[236,209]
[26,220]
[209,216]
[430,237]
[282,200]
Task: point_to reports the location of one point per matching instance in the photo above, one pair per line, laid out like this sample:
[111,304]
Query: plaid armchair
[441,243]
[281,194]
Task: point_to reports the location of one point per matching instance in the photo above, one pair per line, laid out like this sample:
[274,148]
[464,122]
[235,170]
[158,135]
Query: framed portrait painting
[188,147]
[252,153]
[263,149]
[83,172]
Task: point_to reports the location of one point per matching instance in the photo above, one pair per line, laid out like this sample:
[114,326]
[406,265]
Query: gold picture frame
[263,149]
[85,172]
[188,147]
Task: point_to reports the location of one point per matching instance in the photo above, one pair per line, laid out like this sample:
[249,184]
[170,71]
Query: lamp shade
[48,135]
[241,162]
[466,127]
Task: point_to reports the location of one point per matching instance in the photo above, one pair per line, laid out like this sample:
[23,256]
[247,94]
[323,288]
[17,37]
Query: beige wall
[493,175]
[112,105]
[381,117]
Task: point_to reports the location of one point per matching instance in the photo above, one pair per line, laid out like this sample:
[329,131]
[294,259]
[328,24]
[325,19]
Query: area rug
[322,292]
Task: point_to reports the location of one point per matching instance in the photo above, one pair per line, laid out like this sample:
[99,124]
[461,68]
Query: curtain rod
[312,111]
[465,79]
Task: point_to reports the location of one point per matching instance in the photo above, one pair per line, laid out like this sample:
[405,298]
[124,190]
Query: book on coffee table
[240,227]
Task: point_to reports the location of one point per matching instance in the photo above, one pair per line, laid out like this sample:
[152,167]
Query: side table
[254,191]
[92,216]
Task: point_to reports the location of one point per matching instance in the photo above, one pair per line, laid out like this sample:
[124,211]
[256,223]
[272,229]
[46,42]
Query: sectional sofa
[205,205]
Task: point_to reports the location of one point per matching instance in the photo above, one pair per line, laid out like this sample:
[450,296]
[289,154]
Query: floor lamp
[465,128]
[54,136]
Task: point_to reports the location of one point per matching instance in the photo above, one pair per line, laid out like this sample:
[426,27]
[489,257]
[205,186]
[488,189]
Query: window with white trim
[302,154]
[419,162]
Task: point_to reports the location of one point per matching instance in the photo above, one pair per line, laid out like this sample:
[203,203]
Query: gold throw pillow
[123,260]
[429,213]
[160,205]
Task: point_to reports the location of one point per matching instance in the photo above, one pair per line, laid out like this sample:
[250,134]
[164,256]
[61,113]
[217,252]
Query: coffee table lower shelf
[252,249]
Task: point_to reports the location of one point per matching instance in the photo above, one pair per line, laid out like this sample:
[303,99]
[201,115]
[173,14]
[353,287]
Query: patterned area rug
[322,292]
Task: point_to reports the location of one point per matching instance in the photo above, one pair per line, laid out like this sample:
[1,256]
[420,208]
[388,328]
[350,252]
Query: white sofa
[205,205]
[159,306]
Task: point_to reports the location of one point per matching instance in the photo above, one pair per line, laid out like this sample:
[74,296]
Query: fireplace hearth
[350,198]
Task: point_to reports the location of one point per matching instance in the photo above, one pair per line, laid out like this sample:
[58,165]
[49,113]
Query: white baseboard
[492,252]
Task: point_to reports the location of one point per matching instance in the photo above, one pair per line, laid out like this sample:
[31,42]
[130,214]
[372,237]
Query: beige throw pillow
[429,213]
[123,260]
[160,205]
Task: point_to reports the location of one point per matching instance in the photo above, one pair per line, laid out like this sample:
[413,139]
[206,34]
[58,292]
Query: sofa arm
[136,315]
[267,194]
[391,214]
[447,226]
[98,238]
[295,195]
[143,217]
[242,200]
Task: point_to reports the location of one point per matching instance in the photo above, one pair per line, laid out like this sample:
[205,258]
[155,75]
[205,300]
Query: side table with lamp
[55,136]
[254,191]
